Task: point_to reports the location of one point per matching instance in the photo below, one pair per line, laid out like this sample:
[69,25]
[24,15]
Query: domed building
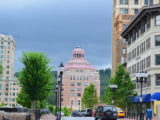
[78,74]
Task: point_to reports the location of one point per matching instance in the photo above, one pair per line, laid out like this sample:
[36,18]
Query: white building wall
[153,69]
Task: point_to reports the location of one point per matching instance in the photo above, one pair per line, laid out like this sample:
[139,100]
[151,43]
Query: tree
[1,69]
[105,76]
[51,109]
[90,98]
[50,98]
[23,99]
[125,88]
[36,77]
[66,111]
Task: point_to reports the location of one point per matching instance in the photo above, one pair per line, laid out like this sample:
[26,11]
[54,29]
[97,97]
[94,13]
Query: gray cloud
[55,27]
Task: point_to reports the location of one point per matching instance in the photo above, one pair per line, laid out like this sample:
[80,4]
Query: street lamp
[113,88]
[56,100]
[141,78]
[61,69]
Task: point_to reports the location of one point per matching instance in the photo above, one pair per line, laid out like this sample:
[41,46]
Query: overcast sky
[55,27]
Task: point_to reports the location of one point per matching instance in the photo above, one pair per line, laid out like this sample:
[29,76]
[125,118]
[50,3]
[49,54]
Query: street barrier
[78,118]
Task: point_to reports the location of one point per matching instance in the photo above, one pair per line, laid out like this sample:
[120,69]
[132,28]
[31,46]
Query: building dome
[78,60]
[78,53]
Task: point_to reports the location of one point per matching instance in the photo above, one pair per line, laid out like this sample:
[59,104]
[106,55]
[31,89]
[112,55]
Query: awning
[155,96]
[136,99]
[146,98]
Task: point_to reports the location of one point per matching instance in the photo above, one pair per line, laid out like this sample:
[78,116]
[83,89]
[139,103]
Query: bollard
[134,116]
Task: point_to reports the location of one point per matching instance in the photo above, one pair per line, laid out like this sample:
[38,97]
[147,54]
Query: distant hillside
[104,78]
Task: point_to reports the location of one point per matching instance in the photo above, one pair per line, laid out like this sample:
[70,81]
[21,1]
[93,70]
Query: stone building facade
[143,49]
[78,74]
[123,12]
[9,86]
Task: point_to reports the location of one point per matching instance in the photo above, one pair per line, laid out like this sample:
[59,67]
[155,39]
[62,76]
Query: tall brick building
[123,11]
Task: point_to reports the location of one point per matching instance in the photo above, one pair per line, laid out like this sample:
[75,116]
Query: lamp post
[113,88]
[56,100]
[141,78]
[61,69]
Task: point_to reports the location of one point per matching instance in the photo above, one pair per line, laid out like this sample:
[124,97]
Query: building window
[72,83]
[79,103]
[157,40]
[126,2]
[79,94]
[148,84]
[72,103]
[148,23]
[79,84]
[123,10]
[124,51]
[148,2]
[158,20]
[148,43]
[148,61]
[137,67]
[137,50]
[78,89]
[157,79]
[71,89]
[72,94]
[136,11]
[157,57]
[121,2]
[86,84]
[136,2]
[142,28]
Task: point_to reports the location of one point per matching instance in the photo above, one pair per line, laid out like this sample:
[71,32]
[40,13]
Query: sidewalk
[155,118]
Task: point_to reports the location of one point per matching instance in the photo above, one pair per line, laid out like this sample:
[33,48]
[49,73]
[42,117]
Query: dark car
[106,112]
[76,113]
[87,112]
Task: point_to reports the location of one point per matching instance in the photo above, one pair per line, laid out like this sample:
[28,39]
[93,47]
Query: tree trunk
[34,105]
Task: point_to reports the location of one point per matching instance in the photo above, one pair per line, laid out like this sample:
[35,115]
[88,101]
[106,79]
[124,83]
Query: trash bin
[149,114]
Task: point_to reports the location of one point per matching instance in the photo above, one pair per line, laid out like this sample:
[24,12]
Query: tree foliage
[125,88]
[23,99]
[35,78]
[104,78]
[90,98]
[51,108]
[50,98]
[66,111]
[1,69]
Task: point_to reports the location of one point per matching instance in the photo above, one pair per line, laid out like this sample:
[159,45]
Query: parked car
[76,113]
[106,112]
[87,112]
[120,113]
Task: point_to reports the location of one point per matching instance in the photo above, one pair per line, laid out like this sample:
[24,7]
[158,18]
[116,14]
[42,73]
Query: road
[51,117]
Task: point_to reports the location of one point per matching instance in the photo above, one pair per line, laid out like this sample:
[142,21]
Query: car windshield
[107,108]
[119,109]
